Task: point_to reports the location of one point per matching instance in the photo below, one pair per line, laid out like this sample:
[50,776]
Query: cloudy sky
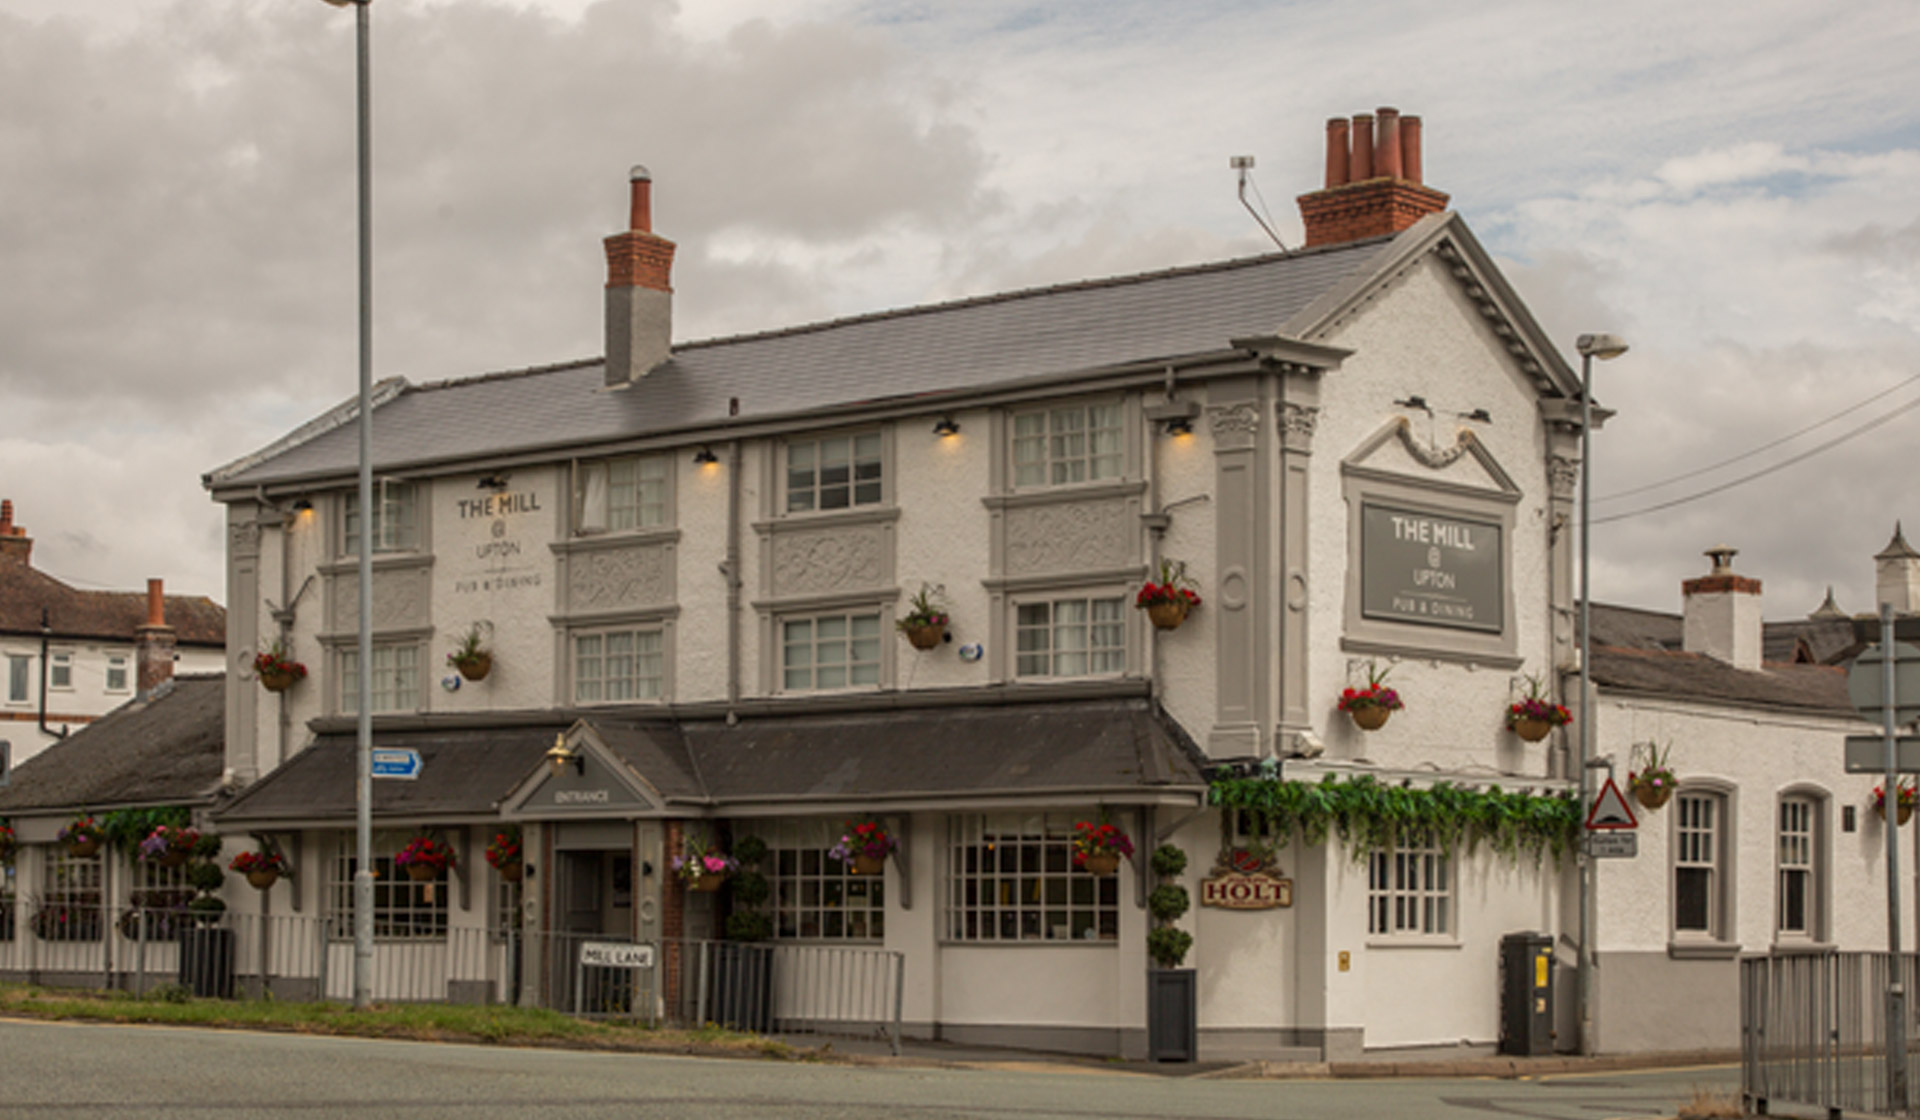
[1732,187]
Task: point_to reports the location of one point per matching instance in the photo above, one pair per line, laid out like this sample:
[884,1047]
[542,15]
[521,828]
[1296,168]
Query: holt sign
[1241,880]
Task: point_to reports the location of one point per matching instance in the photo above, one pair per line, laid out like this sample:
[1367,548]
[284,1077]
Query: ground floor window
[6,901]
[160,896]
[814,896]
[1410,890]
[70,908]
[403,907]
[1010,877]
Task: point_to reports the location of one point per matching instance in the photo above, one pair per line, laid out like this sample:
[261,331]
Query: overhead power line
[1765,471]
[1745,455]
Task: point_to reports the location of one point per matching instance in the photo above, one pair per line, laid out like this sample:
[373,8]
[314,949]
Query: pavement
[926,1052]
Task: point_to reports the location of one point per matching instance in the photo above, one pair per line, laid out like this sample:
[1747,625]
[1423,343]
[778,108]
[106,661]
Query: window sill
[878,513]
[1703,950]
[1803,947]
[1418,942]
[1035,943]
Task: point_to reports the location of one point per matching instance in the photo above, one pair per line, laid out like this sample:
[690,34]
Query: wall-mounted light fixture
[559,755]
[1416,402]
[494,482]
[1180,426]
[1479,414]
[303,505]
[705,457]
[1174,417]
[946,427]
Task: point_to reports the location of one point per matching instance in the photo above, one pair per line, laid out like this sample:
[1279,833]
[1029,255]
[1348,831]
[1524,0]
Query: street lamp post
[363,771]
[1605,347]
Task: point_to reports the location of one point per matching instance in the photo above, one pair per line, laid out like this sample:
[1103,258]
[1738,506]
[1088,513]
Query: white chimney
[1896,575]
[1721,613]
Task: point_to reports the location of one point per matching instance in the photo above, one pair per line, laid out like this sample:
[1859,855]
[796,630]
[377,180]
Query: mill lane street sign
[396,762]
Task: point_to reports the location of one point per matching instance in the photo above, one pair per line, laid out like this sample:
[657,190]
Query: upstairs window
[837,472]
[396,679]
[1062,446]
[117,673]
[1078,637]
[613,495]
[830,651]
[615,665]
[60,670]
[18,668]
[396,520]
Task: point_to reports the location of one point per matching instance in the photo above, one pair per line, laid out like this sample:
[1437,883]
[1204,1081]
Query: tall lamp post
[363,771]
[1605,347]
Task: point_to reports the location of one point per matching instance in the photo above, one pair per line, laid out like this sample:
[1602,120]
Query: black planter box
[1173,1015]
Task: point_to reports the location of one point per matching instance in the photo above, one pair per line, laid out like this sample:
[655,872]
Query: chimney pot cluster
[1382,144]
[1373,180]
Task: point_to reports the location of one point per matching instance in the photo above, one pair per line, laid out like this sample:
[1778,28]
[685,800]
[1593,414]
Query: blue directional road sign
[396,762]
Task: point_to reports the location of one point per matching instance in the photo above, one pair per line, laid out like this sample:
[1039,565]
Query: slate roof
[99,615]
[169,750]
[931,351]
[1637,650]
[1082,748]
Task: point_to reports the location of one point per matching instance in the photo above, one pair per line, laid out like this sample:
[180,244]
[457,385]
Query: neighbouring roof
[1084,748]
[169,750]
[933,350]
[1641,651]
[111,616]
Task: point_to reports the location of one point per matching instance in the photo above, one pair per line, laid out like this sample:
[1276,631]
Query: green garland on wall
[1368,815]
[125,828]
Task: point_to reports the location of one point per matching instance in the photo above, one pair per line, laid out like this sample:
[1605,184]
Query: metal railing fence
[764,987]
[1813,1031]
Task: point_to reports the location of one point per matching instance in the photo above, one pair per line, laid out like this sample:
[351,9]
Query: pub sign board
[1430,569]
[1242,880]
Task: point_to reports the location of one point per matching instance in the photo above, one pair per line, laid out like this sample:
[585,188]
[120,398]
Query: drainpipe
[732,566]
[46,637]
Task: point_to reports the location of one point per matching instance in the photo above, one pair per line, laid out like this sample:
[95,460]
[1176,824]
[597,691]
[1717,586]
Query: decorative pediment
[1396,451]
[581,777]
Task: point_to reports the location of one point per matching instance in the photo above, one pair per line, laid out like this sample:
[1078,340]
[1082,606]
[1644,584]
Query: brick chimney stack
[1373,183]
[1720,613]
[153,644]
[15,546]
[639,295]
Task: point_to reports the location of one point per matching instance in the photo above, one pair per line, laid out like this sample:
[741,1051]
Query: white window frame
[1011,878]
[627,493]
[643,687]
[19,678]
[1700,861]
[396,677]
[404,909]
[60,670]
[852,452]
[1029,632]
[398,525]
[119,672]
[784,630]
[75,882]
[813,897]
[1055,446]
[1412,892]
[1800,856]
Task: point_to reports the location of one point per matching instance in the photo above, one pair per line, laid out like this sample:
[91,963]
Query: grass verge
[499,1025]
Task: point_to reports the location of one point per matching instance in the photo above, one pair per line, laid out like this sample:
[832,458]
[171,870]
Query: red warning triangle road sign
[1610,810]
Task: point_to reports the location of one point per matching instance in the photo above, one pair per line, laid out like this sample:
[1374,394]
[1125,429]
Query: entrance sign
[1431,569]
[1865,686]
[1241,880]
[396,762]
[615,954]
[1610,810]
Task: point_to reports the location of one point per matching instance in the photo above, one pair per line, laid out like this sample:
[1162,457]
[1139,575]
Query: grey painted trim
[1018,585]
[1726,903]
[565,630]
[1243,512]
[1106,1041]
[1434,486]
[772,612]
[831,519]
[1820,899]
[611,618]
[1703,950]
[981,801]
[382,562]
[1388,648]
[335,640]
[828,600]
[623,538]
[1073,493]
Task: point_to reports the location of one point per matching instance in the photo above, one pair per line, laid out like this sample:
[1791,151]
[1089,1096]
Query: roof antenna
[1244,164]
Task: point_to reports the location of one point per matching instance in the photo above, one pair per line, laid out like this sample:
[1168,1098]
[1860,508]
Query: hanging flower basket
[505,854]
[6,843]
[512,872]
[863,846]
[1530,730]
[1908,794]
[276,670]
[702,866]
[475,668]
[1097,847]
[82,837]
[1169,601]
[1373,705]
[472,660]
[925,623]
[1652,797]
[262,868]
[1653,784]
[424,858]
[1371,717]
[707,881]
[1534,716]
[262,880]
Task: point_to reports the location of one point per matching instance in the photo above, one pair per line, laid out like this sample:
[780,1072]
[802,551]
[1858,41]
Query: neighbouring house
[69,656]
[767,590]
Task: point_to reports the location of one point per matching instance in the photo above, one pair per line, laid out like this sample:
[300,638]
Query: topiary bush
[1168,901]
[1168,946]
[1169,861]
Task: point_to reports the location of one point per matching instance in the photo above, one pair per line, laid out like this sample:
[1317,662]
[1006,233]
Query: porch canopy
[768,761]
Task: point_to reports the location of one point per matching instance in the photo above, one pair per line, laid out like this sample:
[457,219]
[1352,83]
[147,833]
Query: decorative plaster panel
[1234,425]
[1562,474]
[399,600]
[1070,536]
[608,579]
[829,561]
[243,538]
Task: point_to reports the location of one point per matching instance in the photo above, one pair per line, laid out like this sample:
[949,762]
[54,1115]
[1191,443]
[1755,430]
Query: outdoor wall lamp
[705,457]
[1180,426]
[946,427]
[494,482]
[560,754]
[303,505]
